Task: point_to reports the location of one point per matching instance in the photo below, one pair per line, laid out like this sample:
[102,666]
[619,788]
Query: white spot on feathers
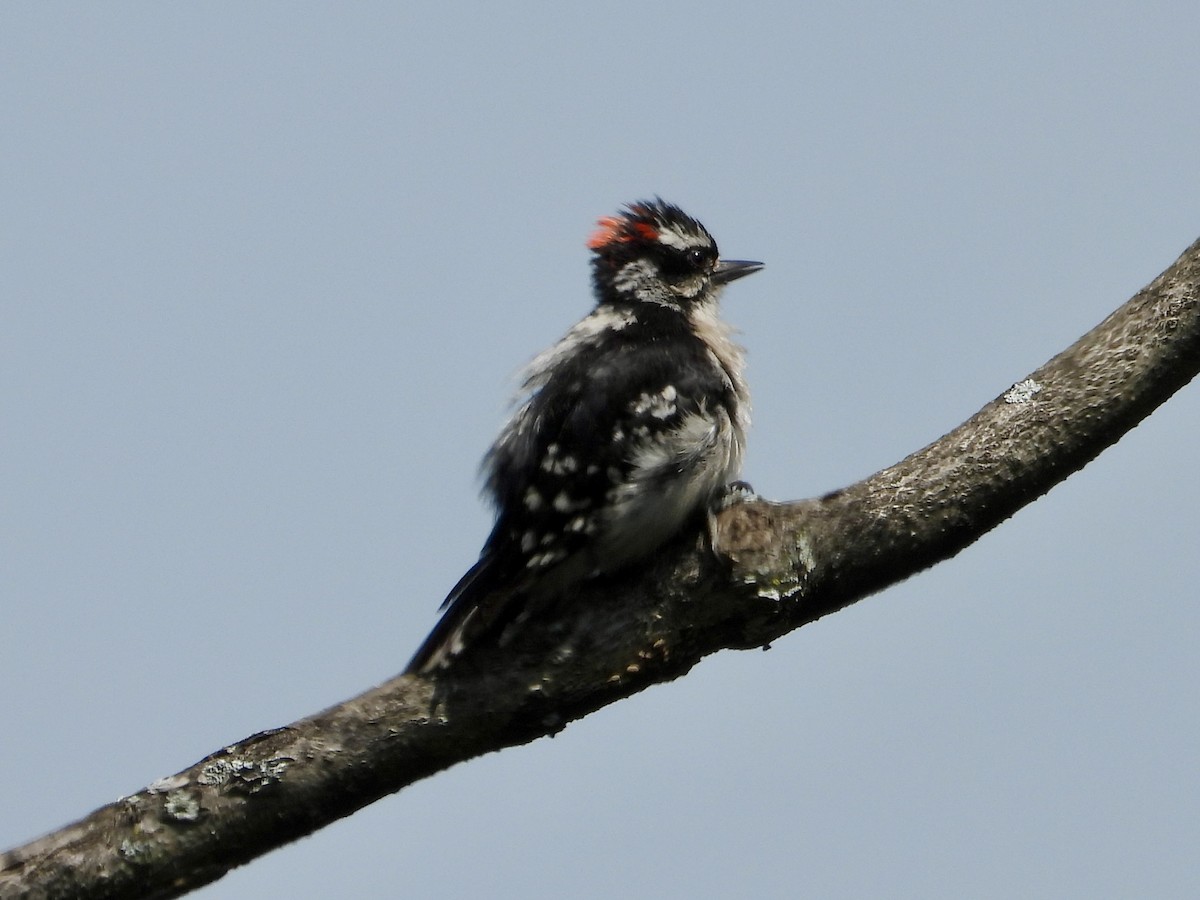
[660,404]
[564,504]
[549,558]
[557,463]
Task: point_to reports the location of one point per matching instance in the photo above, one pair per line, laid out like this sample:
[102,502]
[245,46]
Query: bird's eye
[697,258]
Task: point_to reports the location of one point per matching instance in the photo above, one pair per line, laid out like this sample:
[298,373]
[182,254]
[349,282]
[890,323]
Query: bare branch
[779,566]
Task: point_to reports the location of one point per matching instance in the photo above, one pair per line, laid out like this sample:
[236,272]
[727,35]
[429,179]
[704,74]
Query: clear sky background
[268,270]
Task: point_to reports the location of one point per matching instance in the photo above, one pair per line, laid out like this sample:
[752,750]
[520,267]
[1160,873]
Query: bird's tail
[481,604]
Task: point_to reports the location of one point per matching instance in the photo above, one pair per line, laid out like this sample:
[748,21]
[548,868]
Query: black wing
[556,466]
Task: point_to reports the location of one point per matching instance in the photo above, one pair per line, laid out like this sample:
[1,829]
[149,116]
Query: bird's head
[653,252]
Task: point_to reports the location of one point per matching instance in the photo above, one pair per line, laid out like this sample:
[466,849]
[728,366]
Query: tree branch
[778,566]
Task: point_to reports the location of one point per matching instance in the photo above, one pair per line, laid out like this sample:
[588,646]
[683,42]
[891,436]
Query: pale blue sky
[268,272]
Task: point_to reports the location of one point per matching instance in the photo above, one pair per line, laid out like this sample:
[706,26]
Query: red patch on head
[646,230]
[611,229]
[607,230]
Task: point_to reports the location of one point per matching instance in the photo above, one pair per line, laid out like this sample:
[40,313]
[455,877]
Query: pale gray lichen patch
[215,773]
[183,806]
[804,553]
[1022,391]
[774,585]
[169,783]
[783,575]
[244,774]
[777,591]
[136,851]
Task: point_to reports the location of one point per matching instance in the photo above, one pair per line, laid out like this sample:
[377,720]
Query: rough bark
[777,567]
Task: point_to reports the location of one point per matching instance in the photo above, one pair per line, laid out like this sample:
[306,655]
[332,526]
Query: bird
[624,431]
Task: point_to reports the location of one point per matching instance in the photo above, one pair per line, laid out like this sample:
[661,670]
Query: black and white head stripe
[650,221]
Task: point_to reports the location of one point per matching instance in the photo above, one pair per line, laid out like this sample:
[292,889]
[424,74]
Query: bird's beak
[728,270]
